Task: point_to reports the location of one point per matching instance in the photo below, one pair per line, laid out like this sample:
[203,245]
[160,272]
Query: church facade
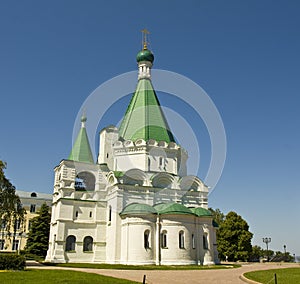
[135,204]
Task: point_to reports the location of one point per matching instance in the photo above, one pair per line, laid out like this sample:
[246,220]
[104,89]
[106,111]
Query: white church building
[136,204]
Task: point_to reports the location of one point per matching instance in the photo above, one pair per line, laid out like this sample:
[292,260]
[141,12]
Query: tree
[11,209]
[38,237]
[234,238]
[218,216]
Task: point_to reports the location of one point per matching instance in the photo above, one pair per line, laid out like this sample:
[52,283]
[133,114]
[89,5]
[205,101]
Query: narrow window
[146,239]
[32,208]
[109,214]
[160,161]
[2,242]
[91,214]
[17,224]
[70,243]
[181,239]
[76,214]
[193,241]
[149,164]
[3,224]
[107,155]
[164,239]
[29,224]
[15,245]
[88,244]
[205,243]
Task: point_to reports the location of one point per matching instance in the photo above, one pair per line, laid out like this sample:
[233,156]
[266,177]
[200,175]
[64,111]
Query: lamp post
[284,248]
[267,241]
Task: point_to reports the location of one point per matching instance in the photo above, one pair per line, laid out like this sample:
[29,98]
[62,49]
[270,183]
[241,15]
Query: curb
[243,278]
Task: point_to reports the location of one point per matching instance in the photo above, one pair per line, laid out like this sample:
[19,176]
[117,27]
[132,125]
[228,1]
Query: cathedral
[135,204]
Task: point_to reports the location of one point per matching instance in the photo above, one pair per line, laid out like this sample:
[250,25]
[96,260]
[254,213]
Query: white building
[136,205]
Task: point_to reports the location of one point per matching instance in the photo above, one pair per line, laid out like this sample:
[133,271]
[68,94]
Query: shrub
[12,262]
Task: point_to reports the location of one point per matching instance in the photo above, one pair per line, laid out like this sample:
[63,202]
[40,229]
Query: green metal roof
[137,208]
[144,118]
[201,212]
[81,151]
[172,208]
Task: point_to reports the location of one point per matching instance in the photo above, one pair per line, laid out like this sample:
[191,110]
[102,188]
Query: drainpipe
[157,246]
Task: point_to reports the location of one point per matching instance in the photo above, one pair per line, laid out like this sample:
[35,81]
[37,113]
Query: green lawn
[144,267]
[284,276]
[57,277]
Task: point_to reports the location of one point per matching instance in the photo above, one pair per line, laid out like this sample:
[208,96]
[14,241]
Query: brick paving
[218,276]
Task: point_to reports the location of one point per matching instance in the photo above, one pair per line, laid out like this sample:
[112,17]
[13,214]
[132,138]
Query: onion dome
[145,55]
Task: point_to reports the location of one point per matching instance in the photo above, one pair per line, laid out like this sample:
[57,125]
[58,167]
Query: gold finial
[145,33]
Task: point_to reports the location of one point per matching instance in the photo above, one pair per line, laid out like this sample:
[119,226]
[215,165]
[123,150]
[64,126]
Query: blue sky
[244,54]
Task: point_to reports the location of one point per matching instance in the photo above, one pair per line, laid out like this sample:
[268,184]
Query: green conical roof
[81,151]
[144,118]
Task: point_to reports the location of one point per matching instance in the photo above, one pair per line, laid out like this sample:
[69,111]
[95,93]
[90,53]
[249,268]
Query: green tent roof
[144,118]
[81,151]
[137,208]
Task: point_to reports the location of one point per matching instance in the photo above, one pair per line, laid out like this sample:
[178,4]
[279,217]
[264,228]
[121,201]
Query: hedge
[12,262]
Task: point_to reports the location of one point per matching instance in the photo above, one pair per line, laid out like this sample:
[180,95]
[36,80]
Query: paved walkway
[218,276]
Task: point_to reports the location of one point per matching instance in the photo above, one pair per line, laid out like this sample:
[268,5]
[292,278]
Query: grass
[143,267]
[284,275]
[57,277]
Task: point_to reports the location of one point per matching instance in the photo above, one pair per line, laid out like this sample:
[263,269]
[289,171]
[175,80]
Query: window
[88,244]
[3,224]
[15,245]
[146,239]
[205,243]
[160,161]
[17,224]
[32,208]
[91,214]
[29,224]
[70,243]
[33,194]
[76,214]
[109,214]
[181,239]
[2,242]
[149,164]
[164,239]
[193,241]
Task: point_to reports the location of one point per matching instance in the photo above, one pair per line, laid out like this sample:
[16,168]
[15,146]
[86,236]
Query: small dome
[145,55]
[138,208]
[201,212]
[172,208]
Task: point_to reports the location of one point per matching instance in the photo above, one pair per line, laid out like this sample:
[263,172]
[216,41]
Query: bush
[12,262]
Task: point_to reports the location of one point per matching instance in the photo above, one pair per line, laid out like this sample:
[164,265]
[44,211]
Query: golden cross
[145,33]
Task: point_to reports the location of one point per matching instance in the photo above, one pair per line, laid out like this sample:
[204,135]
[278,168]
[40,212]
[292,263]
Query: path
[218,276]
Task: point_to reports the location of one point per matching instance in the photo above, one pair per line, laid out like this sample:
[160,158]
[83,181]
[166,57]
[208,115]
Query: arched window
[88,244]
[147,239]
[70,243]
[181,239]
[85,181]
[163,241]
[205,242]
